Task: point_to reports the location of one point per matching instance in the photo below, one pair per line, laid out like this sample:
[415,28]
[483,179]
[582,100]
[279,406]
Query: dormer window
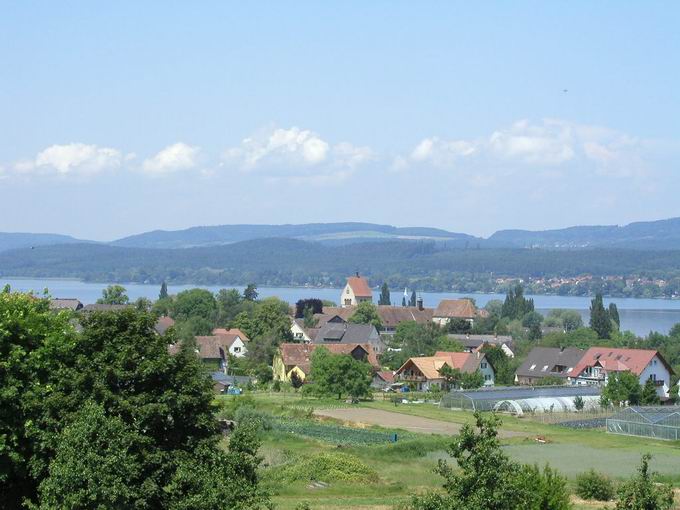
[532,366]
[545,368]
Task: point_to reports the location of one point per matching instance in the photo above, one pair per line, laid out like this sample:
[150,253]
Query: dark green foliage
[504,367]
[114,295]
[594,485]
[194,303]
[413,300]
[334,434]
[579,403]
[641,493]
[614,314]
[486,479]
[98,463]
[106,418]
[366,313]
[163,294]
[296,381]
[309,320]
[250,292]
[417,340]
[403,301]
[472,380]
[458,326]
[385,298]
[339,375]
[516,306]
[313,304]
[535,332]
[621,388]
[649,397]
[600,321]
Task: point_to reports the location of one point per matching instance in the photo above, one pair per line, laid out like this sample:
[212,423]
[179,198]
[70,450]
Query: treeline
[426,266]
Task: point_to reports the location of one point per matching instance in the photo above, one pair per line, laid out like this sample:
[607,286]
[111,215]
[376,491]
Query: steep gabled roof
[456,309]
[299,354]
[391,316]
[619,360]
[162,324]
[345,333]
[429,366]
[232,331]
[211,347]
[541,362]
[359,286]
[65,304]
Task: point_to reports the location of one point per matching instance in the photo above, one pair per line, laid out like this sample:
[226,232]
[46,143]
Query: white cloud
[176,157]
[71,159]
[550,143]
[443,152]
[297,155]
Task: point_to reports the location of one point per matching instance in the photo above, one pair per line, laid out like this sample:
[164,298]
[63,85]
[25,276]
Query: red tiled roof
[232,331]
[456,309]
[163,323]
[299,354]
[617,360]
[359,286]
[386,376]
[391,316]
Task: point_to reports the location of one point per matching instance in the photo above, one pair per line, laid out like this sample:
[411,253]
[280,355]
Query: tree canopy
[338,375]
[114,295]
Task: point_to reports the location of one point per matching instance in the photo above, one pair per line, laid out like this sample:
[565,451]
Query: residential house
[234,340]
[222,382]
[450,309]
[597,363]
[472,343]
[296,358]
[59,304]
[382,379]
[347,333]
[163,324]
[301,333]
[101,307]
[424,372]
[545,362]
[392,316]
[356,291]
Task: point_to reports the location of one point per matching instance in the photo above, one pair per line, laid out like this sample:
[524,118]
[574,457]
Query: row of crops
[335,434]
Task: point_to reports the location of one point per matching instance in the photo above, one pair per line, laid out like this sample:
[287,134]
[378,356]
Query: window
[237,349]
[652,377]
[487,377]
[347,290]
[482,365]
[545,368]
[532,366]
[654,362]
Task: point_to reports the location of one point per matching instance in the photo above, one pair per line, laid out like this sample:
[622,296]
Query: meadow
[333,464]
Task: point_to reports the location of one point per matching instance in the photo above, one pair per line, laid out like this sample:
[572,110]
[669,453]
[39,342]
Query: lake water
[637,315]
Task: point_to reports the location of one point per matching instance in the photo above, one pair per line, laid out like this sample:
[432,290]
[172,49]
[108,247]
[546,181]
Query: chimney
[419,302]
[358,274]
[477,354]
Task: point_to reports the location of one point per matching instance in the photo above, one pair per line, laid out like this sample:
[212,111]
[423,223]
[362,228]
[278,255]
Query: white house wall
[658,369]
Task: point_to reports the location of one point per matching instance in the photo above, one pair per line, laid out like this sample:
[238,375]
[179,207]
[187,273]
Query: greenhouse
[523,399]
[656,422]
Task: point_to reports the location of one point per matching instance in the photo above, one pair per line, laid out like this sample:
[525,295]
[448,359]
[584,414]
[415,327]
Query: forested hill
[658,235]
[328,233]
[295,262]
[14,240]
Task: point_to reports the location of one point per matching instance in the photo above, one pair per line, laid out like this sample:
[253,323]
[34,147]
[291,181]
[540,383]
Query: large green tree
[366,313]
[622,388]
[194,303]
[486,479]
[600,321]
[385,298]
[339,375]
[114,295]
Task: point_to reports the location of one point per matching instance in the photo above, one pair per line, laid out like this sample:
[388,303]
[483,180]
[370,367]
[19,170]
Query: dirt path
[408,422]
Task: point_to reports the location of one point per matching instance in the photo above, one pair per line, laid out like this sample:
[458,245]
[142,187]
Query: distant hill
[282,262]
[14,240]
[329,233]
[649,235]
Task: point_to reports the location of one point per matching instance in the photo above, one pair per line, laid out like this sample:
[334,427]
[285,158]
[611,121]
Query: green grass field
[406,467]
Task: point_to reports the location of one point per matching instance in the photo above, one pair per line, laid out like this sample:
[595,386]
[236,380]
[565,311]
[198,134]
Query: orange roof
[456,309]
[232,331]
[429,366]
[618,360]
[359,286]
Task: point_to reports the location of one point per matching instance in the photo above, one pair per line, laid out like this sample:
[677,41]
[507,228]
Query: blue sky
[124,117]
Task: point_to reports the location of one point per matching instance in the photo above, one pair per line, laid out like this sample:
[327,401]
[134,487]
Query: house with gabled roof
[597,363]
[450,309]
[542,362]
[58,304]
[356,291]
[348,333]
[424,372]
[295,358]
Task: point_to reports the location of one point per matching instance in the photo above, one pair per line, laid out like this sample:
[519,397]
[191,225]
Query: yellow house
[295,358]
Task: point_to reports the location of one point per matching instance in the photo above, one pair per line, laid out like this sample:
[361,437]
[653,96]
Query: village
[471,364]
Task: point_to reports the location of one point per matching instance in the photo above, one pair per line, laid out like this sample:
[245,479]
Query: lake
[637,315]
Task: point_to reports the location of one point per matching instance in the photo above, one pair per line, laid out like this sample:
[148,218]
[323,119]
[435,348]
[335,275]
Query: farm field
[366,473]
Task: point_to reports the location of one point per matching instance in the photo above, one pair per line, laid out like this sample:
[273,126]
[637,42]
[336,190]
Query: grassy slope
[404,471]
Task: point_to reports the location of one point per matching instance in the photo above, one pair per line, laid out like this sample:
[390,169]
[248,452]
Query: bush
[261,419]
[594,485]
[325,467]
